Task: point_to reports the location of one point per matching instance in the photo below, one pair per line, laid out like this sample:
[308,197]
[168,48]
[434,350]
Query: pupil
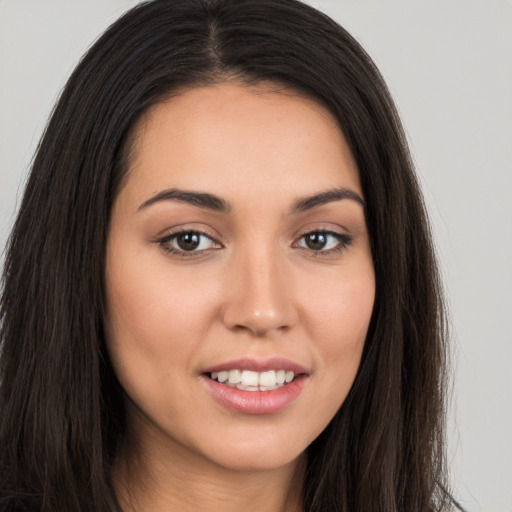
[188,241]
[316,241]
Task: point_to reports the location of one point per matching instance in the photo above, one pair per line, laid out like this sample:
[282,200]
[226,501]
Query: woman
[221,288]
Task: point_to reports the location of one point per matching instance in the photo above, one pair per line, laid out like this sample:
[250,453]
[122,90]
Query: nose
[259,298]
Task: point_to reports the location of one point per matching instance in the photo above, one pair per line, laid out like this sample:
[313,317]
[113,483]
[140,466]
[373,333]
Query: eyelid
[164,240]
[192,227]
[344,240]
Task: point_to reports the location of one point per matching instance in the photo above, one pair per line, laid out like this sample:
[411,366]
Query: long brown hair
[61,407]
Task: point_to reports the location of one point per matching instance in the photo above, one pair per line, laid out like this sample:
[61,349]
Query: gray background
[449,66]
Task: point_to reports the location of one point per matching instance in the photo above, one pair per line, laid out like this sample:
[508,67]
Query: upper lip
[258,365]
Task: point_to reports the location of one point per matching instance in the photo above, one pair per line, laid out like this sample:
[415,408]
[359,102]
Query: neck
[176,479]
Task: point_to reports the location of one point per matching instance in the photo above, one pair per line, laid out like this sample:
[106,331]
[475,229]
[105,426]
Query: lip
[256,402]
[255,365]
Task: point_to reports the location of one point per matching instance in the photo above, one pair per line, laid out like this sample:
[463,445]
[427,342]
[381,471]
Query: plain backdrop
[448,64]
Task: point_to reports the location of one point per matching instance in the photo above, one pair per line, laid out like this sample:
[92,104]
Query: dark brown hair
[62,414]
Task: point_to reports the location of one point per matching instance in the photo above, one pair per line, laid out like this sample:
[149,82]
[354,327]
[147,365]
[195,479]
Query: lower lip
[256,402]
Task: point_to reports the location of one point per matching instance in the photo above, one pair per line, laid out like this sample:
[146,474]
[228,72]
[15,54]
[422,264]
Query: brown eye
[324,241]
[315,241]
[188,241]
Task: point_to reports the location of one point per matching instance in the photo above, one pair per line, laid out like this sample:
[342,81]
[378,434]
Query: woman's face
[237,249]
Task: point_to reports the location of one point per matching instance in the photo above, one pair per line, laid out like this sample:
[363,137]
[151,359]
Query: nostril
[260,331]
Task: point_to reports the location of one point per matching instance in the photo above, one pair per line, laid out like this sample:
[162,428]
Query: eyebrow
[217,204]
[200,199]
[338,194]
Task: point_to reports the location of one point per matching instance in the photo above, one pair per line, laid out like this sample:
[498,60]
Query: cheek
[156,318]
[337,317]
[340,305]
[149,292]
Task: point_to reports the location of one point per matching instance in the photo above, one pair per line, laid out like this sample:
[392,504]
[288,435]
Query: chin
[266,453]
[256,461]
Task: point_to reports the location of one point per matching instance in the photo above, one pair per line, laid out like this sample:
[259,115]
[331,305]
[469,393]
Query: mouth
[248,380]
[256,387]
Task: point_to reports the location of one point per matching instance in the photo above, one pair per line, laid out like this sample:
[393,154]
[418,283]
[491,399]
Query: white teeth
[248,380]
[267,378]
[234,376]
[269,388]
[280,376]
[246,388]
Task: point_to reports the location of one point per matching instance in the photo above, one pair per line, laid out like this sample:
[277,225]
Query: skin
[254,289]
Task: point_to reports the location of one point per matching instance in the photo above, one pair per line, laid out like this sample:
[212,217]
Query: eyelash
[166,241]
[343,241]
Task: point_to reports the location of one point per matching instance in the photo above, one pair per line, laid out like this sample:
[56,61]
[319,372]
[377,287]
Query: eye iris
[316,241]
[188,241]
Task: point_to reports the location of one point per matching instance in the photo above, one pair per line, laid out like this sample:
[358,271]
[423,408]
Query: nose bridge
[259,299]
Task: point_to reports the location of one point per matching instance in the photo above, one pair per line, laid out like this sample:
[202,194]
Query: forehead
[233,137]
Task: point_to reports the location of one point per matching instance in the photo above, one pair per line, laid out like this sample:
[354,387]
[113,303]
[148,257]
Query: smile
[258,387]
[248,380]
